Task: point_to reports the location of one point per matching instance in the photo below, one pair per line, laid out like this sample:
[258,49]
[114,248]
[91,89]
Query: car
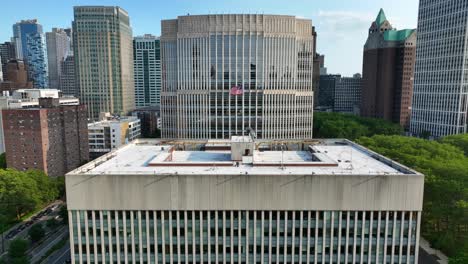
[68,260]
[55,207]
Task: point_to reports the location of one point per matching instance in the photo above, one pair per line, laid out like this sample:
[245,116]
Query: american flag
[237,90]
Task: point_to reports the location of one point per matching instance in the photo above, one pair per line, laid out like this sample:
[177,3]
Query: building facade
[31,41]
[111,133]
[7,53]
[224,75]
[150,118]
[331,202]
[326,98]
[348,95]
[16,77]
[67,77]
[58,48]
[147,67]
[102,45]
[388,72]
[440,99]
[48,136]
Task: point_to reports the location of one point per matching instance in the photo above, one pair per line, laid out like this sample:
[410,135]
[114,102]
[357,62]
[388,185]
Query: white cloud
[344,24]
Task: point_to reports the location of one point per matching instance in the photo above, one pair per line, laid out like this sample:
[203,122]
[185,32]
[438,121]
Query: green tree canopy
[445,213]
[36,233]
[18,248]
[337,125]
[459,141]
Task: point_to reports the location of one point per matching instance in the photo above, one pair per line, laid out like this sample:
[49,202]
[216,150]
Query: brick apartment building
[51,137]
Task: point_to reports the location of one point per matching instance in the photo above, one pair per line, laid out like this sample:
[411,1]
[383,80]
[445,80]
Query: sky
[341,25]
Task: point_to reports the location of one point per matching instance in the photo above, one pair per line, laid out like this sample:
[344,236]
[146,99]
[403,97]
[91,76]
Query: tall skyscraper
[327,201]
[54,140]
[226,74]
[7,52]
[68,78]
[103,49]
[388,71]
[147,67]
[58,47]
[32,49]
[440,100]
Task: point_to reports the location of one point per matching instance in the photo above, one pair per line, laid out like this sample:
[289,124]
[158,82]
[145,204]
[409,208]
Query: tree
[459,141]
[3,164]
[337,125]
[36,233]
[63,213]
[18,248]
[445,212]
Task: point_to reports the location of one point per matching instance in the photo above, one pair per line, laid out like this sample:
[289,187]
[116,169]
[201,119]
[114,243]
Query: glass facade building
[226,74]
[440,98]
[32,49]
[147,67]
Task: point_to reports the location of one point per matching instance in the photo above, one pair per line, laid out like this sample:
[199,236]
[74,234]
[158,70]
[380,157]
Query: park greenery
[443,162]
[17,252]
[24,192]
[336,125]
[36,233]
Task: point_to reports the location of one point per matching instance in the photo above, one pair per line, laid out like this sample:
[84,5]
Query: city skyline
[340,25]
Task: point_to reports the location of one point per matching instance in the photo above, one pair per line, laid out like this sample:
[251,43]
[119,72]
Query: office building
[326,99]
[1,70]
[112,132]
[58,47]
[348,95]
[224,75]
[67,78]
[147,67]
[150,118]
[244,201]
[103,53]
[7,53]
[388,72]
[49,136]
[16,77]
[339,94]
[440,100]
[31,45]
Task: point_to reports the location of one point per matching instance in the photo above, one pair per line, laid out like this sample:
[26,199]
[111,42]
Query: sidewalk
[430,255]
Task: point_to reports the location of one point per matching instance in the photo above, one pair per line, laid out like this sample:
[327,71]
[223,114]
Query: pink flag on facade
[236,90]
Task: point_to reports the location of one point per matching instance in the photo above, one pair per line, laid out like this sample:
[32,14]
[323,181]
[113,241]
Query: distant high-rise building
[32,49]
[340,94]
[67,78]
[1,70]
[147,67]
[150,118]
[388,71]
[440,100]
[54,140]
[327,86]
[224,75]
[16,77]
[58,47]
[7,53]
[348,94]
[103,49]
[323,69]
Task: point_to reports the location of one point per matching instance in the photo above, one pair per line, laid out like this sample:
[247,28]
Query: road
[53,239]
[24,233]
[60,256]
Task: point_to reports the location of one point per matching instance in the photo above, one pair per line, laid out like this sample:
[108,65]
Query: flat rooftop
[321,157]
